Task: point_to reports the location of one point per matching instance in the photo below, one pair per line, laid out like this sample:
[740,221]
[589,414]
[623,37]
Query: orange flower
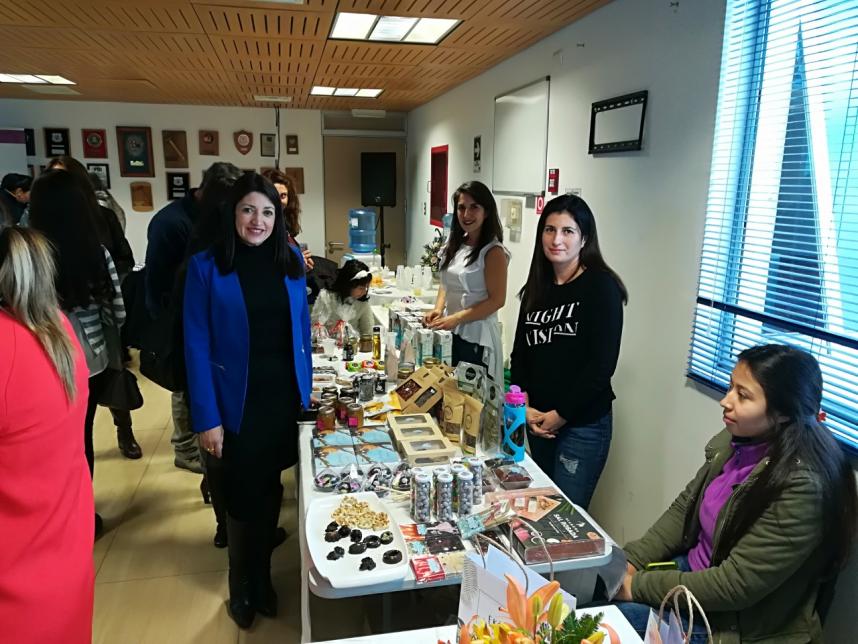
[521,608]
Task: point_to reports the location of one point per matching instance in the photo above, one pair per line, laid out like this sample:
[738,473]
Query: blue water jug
[514,424]
[362,230]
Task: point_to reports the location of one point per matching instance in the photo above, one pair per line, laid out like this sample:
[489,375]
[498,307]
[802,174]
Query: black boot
[240,552]
[128,446]
[214,479]
[263,595]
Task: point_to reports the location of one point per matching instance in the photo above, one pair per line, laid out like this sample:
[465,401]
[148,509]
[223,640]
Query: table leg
[306,630]
[386,612]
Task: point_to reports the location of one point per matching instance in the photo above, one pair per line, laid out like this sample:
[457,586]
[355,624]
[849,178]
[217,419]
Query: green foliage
[576,629]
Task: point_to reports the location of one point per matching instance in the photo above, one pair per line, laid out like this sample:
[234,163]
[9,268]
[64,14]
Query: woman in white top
[473,280]
[347,299]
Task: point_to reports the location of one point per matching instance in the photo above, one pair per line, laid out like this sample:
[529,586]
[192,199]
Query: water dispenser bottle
[362,230]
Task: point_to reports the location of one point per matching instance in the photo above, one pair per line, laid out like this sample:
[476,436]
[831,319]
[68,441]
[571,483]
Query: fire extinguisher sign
[540,204]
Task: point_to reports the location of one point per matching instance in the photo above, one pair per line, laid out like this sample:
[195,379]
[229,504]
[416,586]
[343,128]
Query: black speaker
[378,178]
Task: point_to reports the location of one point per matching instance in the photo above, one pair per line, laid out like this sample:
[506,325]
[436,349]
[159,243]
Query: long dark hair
[292,211]
[489,231]
[62,211]
[223,250]
[792,383]
[541,274]
[345,281]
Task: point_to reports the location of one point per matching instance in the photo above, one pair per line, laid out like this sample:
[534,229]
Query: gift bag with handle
[672,631]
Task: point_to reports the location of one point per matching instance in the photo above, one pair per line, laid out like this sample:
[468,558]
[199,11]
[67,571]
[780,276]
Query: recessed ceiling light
[393,29]
[353,26]
[345,91]
[430,30]
[20,78]
[368,93]
[322,91]
[265,98]
[55,80]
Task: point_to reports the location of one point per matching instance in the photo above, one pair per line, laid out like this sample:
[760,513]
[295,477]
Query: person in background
[249,368]
[571,318]
[86,281]
[112,237]
[169,235]
[106,200]
[760,533]
[46,504]
[291,208]
[110,232]
[347,299]
[15,195]
[473,280]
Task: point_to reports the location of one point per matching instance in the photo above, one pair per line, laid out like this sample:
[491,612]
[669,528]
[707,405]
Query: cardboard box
[421,392]
[412,426]
[432,451]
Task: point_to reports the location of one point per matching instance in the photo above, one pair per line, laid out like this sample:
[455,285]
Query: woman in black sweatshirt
[567,341]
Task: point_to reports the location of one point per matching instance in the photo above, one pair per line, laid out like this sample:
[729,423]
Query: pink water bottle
[514,423]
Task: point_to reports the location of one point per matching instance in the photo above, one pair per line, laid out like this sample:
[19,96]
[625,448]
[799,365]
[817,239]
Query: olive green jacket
[764,589]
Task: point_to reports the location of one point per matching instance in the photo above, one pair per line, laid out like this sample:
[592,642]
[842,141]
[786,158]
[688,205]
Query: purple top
[744,459]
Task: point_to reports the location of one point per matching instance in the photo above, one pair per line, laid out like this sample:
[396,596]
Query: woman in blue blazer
[249,367]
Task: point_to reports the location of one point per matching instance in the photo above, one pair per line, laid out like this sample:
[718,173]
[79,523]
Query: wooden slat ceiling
[223,52]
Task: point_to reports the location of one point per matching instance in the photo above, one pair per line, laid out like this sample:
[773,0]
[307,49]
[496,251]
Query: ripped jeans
[575,459]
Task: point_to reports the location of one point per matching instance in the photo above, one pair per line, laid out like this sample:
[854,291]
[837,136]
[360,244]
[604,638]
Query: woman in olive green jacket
[767,520]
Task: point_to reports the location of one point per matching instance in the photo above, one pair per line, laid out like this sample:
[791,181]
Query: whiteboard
[521,140]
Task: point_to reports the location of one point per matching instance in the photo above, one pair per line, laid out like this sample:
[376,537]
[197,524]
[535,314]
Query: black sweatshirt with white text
[566,349]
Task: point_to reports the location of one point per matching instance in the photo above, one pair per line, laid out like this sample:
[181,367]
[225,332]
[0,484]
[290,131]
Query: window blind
[779,261]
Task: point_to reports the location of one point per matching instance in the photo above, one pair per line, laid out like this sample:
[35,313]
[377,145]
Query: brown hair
[292,211]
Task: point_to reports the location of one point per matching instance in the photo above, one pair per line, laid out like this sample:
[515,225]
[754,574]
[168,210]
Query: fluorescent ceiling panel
[368,93]
[322,91]
[55,80]
[20,78]
[353,26]
[392,29]
[430,30]
[345,91]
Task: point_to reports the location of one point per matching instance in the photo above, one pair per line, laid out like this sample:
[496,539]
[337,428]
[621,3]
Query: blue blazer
[217,343]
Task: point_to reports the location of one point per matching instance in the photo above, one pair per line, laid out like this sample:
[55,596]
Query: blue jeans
[575,459]
[638,614]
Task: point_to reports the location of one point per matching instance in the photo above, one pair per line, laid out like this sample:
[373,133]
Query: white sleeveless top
[464,287]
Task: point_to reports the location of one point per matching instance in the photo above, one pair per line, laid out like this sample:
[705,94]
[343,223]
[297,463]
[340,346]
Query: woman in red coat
[46,506]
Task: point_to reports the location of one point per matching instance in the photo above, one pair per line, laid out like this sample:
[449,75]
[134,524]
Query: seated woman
[767,520]
[347,299]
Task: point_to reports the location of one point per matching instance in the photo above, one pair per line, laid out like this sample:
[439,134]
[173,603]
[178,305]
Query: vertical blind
[780,249]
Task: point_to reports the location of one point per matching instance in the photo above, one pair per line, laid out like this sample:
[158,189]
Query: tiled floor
[159,579]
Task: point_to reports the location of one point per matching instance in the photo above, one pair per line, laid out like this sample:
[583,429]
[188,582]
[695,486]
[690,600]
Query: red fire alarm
[553,180]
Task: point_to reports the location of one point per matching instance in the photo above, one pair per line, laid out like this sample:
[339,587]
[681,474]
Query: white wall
[649,207]
[191,118]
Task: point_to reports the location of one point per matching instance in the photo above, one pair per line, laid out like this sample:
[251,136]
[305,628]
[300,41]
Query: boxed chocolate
[370,434]
[421,392]
[431,451]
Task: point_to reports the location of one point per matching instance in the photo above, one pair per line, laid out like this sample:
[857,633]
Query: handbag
[117,389]
[672,631]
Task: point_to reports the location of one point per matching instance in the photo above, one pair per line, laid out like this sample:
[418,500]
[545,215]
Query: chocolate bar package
[566,532]
[332,438]
[371,453]
[370,434]
[334,457]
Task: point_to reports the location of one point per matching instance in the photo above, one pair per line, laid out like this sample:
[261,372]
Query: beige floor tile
[184,609]
[167,529]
